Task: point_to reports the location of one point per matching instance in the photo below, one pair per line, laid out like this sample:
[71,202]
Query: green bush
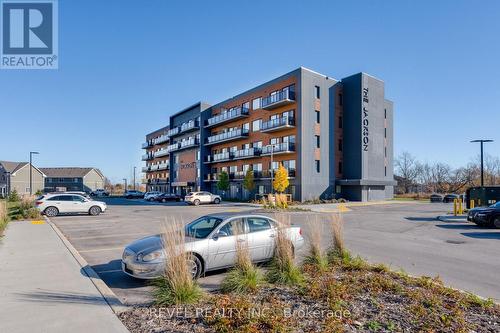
[14,196]
[242,281]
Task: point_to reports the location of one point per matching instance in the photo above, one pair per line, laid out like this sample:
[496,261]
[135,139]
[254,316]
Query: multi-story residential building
[334,138]
[157,160]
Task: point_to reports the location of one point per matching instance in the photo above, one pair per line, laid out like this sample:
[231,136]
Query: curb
[108,295]
[451,218]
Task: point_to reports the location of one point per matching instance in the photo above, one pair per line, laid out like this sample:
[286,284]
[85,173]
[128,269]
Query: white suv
[196,198]
[61,203]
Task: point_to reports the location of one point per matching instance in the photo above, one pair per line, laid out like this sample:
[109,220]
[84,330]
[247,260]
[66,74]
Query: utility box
[482,196]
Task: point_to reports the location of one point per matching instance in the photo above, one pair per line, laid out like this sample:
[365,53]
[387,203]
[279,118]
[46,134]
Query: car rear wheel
[195,267]
[51,211]
[216,201]
[496,222]
[196,202]
[163,200]
[95,210]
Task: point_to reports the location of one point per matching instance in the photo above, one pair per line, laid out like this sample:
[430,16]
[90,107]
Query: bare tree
[408,169]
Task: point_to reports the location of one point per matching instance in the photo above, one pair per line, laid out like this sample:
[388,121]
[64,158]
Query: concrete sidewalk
[44,289]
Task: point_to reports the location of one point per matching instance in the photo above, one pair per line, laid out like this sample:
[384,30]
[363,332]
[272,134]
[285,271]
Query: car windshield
[202,227]
[190,193]
[496,205]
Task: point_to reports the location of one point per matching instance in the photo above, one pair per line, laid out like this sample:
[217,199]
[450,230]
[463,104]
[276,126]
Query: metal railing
[233,113]
[188,143]
[161,152]
[227,135]
[278,148]
[244,153]
[278,122]
[281,96]
[192,124]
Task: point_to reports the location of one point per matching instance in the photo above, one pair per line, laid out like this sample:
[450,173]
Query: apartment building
[333,136]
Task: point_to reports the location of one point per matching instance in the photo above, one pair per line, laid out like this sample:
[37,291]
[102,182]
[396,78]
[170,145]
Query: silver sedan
[211,241]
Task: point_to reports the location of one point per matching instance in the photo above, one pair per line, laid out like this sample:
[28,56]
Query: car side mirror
[220,233]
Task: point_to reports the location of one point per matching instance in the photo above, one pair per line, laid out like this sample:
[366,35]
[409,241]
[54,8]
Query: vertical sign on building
[365,120]
[29,38]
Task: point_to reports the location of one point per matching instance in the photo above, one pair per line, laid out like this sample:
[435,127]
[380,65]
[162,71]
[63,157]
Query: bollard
[455,206]
[460,207]
[471,204]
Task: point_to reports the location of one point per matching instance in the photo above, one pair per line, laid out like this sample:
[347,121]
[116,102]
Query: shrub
[14,196]
[4,218]
[283,269]
[315,258]
[38,193]
[281,182]
[177,286]
[244,277]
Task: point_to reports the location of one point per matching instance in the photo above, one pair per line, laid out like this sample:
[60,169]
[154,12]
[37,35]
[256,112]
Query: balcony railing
[227,116]
[247,153]
[279,99]
[173,147]
[163,166]
[188,126]
[227,136]
[161,139]
[161,152]
[211,177]
[173,131]
[222,157]
[192,142]
[279,148]
[277,124]
[145,169]
[146,145]
[148,156]
[266,174]
[153,167]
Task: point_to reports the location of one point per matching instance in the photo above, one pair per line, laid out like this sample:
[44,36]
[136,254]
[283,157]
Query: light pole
[125,181]
[482,141]
[31,170]
[8,183]
[134,177]
[272,171]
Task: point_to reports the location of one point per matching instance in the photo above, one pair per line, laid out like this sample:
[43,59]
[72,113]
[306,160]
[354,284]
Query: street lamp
[482,141]
[272,170]
[134,177]
[125,181]
[31,170]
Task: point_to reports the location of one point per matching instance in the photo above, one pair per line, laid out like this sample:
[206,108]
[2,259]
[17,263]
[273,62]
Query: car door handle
[272,236]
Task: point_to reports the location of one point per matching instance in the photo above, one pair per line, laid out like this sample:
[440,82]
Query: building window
[256,125]
[340,144]
[385,151]
[385,132]
[341,100]
[246,105]
[340,122]
[340,166]
[246,126]
[385,171]
[318,118]
[385,113]
[317,164]
[317,138]
[257,144]
[316,92]
[256,103]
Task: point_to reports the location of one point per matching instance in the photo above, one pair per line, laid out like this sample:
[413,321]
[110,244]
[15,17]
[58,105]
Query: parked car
[164,197]
[436,197]
[99,193]
[196,198]
[83,194]
[55,204]
[211,242]
[450,197]
[133,194]
[485,216]
[149,196]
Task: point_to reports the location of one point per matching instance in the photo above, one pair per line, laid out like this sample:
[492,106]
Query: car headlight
[127,254]
[150,256]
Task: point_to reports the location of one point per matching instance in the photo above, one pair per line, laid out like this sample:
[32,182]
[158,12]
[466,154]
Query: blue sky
[126,65]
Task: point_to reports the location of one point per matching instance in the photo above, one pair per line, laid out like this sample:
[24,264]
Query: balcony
[163,166]
[280,99]
[189,126]
[145,169]
[173,131]
[153,167]
[146,145]
[266,174]
[227,136]
[277,124]
[225,117]
[279,148]
[211,177]
[148,156]
[246,153]
[192,142]
[173,147]
[221,157]
[161,152]
[161,139]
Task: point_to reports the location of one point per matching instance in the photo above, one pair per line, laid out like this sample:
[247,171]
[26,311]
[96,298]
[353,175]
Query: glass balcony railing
[147,156]
[163,166]
[188,126]
[145,169]
[146,145]
[173,131]
[277,124]
[227,116]
[227,136]
[161,152]
[173,147]
[279,99]
[279,148]
[247,153]
[153,167]
[192,142]
[161,139]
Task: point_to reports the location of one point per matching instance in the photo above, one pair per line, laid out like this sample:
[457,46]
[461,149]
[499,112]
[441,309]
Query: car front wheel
[51,211]
[216,201]
[195,267]
[95,210]
[496,222]
[196,202]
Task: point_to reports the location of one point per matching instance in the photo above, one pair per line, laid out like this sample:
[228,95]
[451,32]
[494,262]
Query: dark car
[132,194]
[485,216]
[436,197]
[450,197]
[164,197]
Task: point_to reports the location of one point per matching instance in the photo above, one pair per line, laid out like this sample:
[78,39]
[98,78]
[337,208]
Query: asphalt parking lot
[406,236]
